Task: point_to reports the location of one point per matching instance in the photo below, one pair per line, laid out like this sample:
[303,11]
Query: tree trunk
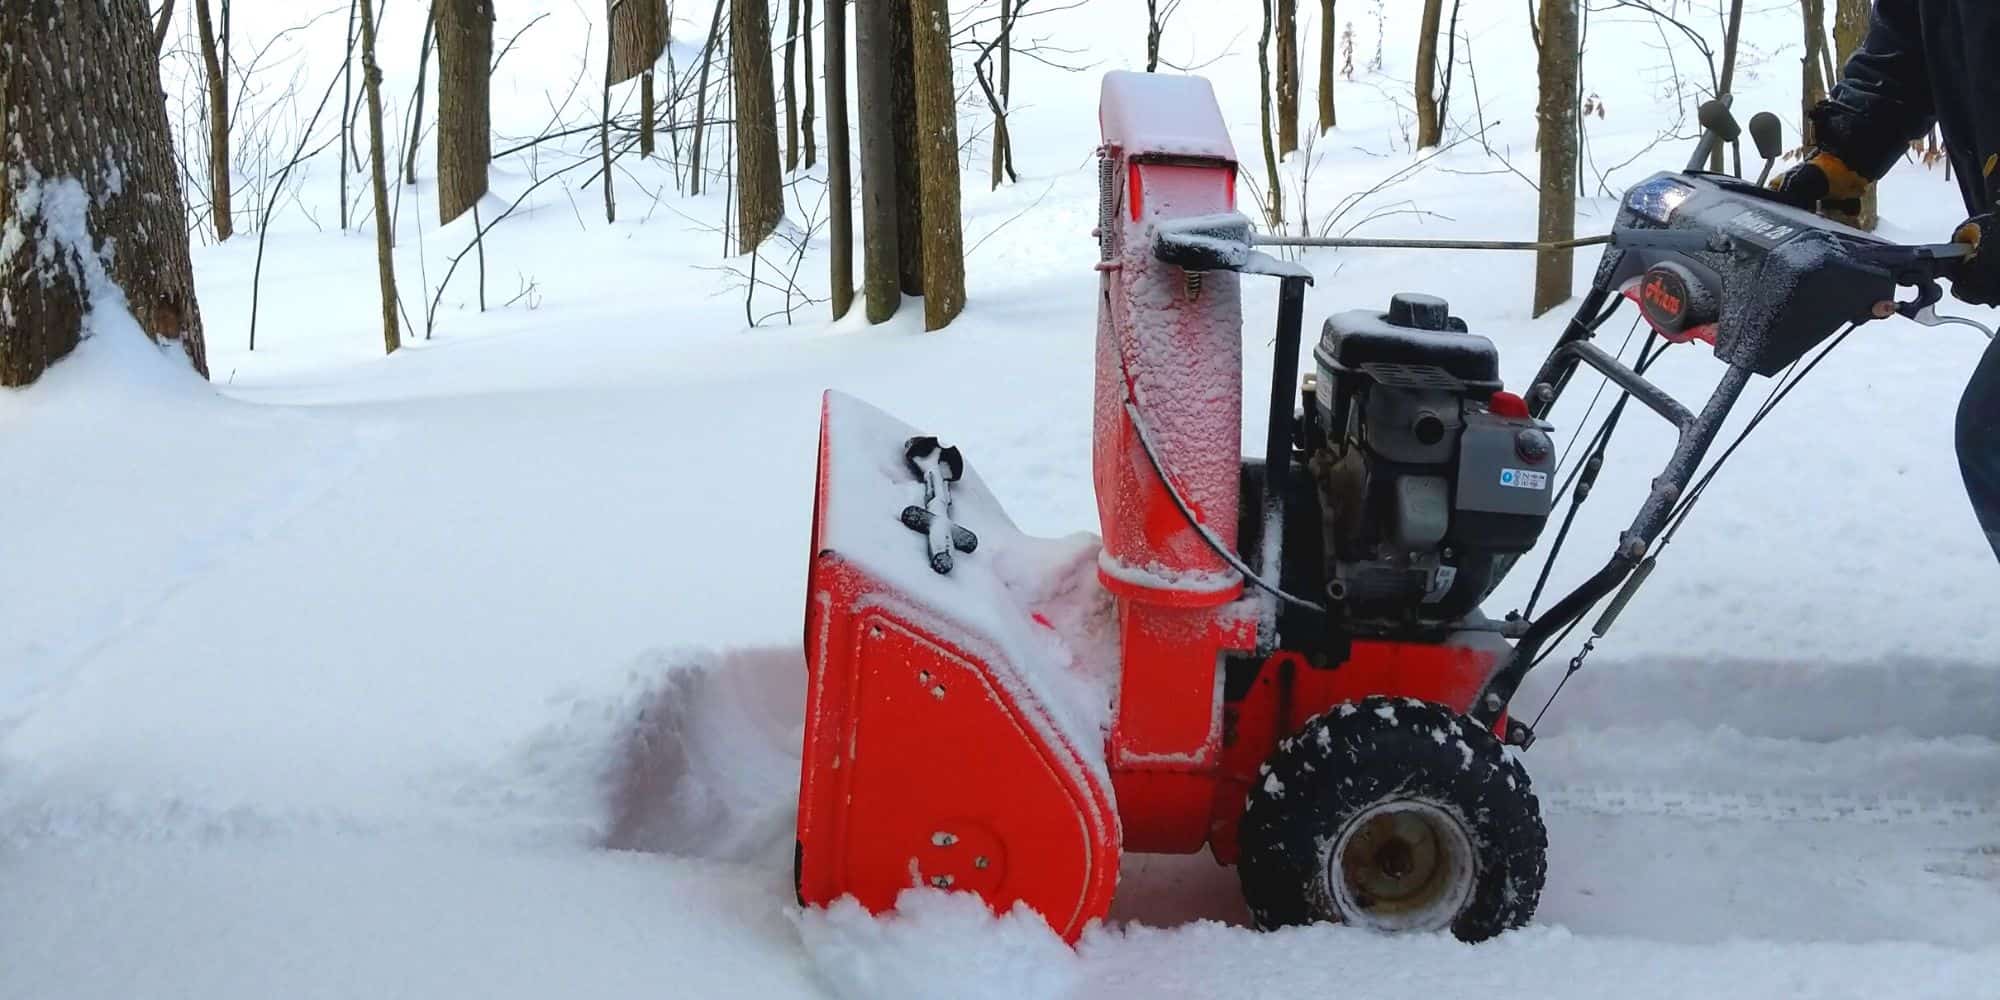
[1288,77]
[1153,31]
[648,108]
[1730,36]
[346,105]
[371,77]
[791,90]
[1850,25]
[1812,89]
[464,135]
[1003,140]
[638,36]
[840,187]
[165,20]
[417,119]
[214,58]
[875,107]
[806,111]
[604,173]
[1429,130]
[937,145]
[760,193]
[89,184]
[1274,194]
[1555,136]
[909,200]
[695,177]
[1326,56]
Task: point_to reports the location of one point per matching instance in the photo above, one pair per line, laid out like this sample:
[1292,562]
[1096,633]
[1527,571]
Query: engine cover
[1428,474]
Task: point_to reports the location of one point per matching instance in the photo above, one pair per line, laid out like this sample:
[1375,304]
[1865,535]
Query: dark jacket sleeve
[1883,101]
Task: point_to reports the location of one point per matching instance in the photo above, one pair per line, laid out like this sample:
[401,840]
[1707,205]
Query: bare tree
[464,135]
[1288,77]
[417,117]
[1730,35]
[1158,13]
[638,36]
[909,199]
[1003,139]
[760,195]
[791,91]
[87,184]
[839,187]
[1850,25]
[371,77]
[874,106]
[1327,54]
[1429,128]
[695,178]
[937,149]
[1814,64]
[1274,192]
[163,21]
[347,104]
[1556,137]
[215,60]
[996,100]
[806,111]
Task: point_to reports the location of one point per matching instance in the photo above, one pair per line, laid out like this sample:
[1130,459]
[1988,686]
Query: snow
[474,670]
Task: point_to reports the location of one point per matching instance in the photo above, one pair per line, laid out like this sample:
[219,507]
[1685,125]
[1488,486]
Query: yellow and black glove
[1822,181]
[1976,276]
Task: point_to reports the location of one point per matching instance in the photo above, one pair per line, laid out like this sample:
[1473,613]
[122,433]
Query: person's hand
[1823,179]
[1975,278]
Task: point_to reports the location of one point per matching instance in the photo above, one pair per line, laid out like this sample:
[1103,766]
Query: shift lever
[1718,126]
[1769,135]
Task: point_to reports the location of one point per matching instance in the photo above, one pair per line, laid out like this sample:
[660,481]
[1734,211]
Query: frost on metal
[1032,601]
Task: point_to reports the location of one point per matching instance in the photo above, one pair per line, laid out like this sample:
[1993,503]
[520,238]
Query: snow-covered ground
[473,670]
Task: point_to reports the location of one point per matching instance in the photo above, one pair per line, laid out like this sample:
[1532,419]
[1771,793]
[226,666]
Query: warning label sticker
[1524,479]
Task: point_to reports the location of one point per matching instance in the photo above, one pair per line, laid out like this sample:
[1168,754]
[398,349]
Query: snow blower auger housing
[1281,659]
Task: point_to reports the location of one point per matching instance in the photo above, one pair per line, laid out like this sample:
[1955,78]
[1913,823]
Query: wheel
[1397,815]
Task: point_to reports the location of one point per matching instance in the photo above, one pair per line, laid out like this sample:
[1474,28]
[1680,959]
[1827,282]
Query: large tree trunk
[937,145]
[465,143]
[790,88]
[1555,136]
[695,177]
[1850,25]
[1814,81]
[1326,56]
[760,190]
[371,75]
[909,200]
[88,182]
[840,188]
[638,36]
[1274,194]
[1288,77]
[1429,130]
[215,59]
[881,255]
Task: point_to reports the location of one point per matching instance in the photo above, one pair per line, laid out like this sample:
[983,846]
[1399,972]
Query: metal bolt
[980,862]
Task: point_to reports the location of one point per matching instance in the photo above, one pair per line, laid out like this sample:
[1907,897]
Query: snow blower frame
[1328,711]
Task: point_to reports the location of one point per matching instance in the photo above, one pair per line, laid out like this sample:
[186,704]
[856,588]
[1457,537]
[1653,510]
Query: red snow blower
[1281,660]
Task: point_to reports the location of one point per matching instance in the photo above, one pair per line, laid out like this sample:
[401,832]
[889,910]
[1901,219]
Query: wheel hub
[1402,866]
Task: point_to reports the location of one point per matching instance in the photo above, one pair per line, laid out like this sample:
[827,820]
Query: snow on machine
[1280,659]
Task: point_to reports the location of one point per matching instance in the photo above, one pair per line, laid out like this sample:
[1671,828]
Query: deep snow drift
[474,670]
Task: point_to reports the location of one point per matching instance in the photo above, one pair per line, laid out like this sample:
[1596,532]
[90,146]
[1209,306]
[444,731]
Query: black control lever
[1768,133]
